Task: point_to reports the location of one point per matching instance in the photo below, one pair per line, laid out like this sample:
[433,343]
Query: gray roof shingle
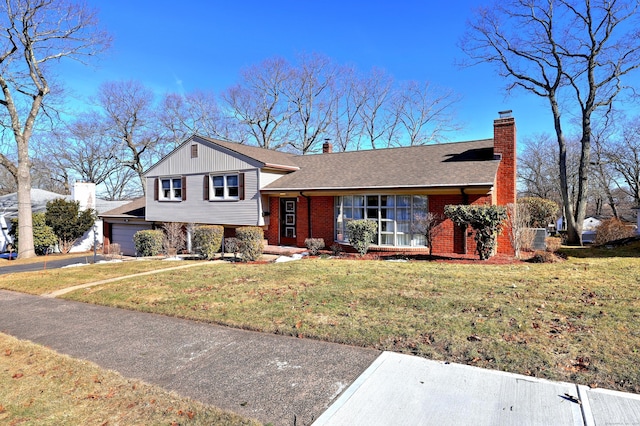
[268,157]
[439,165]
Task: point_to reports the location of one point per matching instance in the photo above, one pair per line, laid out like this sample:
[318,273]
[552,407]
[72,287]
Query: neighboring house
[589,229]
[122,223]
[83,192]
[294,197]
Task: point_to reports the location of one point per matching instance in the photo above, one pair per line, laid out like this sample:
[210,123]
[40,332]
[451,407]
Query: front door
[288,221]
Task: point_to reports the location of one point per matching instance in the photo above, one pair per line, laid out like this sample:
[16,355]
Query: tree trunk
[25,220]
[573,235]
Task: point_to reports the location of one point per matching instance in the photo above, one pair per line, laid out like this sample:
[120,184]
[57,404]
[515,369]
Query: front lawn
[576,320]
[48,280]
[42,387]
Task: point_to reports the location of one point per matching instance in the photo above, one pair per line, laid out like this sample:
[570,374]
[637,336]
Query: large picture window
[395,215]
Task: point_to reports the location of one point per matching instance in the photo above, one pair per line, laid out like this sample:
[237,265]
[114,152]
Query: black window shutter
[184,188]
[155,189]
[241,186]
[205,188]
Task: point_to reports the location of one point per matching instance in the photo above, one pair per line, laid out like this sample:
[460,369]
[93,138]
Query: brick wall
[322,212]
[271,231]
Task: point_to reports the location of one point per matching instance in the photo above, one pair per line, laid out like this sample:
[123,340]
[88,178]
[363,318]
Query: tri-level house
[294,197]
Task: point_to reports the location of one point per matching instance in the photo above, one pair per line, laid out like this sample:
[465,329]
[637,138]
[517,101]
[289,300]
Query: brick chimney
[327,148]
[504,148]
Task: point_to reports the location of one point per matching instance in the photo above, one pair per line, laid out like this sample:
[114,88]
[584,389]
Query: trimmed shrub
[611,230]
[314,245]
[553,244]
[336,249]
[543,257]
[148,242]
[250,238]
[361,234]
[207,240]
[44,239]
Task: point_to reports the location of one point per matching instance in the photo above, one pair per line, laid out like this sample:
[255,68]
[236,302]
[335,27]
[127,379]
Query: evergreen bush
[207,240]
[68,222]
[251,246]
[361,234]
[44,239]
[148,242]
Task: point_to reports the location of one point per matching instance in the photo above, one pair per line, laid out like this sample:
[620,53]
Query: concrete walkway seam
[587,414]
[326,417]
[60,292]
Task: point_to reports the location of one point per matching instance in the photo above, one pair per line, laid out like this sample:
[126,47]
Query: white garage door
[122,233]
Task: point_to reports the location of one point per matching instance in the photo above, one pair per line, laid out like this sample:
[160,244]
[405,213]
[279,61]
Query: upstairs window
[225,187]
[171,189]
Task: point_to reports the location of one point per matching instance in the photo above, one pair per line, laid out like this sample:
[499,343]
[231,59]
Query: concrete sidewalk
[288,381]
[276,379]
[406,390]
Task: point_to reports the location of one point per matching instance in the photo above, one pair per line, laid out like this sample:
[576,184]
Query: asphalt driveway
[10,268]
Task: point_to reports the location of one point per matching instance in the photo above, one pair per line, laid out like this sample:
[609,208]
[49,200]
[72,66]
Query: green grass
[48,280]
[575,320]
[42,387]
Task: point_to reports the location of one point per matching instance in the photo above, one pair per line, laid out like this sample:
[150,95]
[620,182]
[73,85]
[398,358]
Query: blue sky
[181,46]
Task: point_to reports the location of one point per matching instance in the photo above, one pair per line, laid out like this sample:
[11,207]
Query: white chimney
[85,194]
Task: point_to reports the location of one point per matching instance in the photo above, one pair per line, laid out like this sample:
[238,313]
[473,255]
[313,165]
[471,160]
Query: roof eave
[478,185]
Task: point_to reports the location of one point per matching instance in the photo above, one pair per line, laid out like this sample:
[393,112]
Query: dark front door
[288,221]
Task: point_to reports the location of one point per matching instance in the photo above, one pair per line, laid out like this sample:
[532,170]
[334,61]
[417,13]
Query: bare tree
[424,112]
[573,53]
[518,227]
[311,94]
[375,93]
[538,169]
[260,105]
[130,116]
[195,113]
[346,124]
[623,156]
[37,33]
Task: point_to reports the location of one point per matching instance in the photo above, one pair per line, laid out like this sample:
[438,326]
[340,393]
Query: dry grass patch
[41,387]
[48,280]
[574,320]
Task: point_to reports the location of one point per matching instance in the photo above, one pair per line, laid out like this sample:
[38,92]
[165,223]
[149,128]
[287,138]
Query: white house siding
[267,178]
[211,158]
[195,209]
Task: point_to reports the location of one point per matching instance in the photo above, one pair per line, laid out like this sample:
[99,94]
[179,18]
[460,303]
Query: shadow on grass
[629,247]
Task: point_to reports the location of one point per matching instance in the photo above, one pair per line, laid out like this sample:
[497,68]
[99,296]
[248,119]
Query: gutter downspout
[308,214]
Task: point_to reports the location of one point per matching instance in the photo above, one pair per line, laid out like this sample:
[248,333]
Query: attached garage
[122,233]
[122,223]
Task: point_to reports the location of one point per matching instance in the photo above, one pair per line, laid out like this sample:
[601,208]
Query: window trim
[366,208]
[210,188]
[159,190]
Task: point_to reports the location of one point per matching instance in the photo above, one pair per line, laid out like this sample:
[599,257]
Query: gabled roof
[439,165]
[134,208]
[39,199]
[268,157]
